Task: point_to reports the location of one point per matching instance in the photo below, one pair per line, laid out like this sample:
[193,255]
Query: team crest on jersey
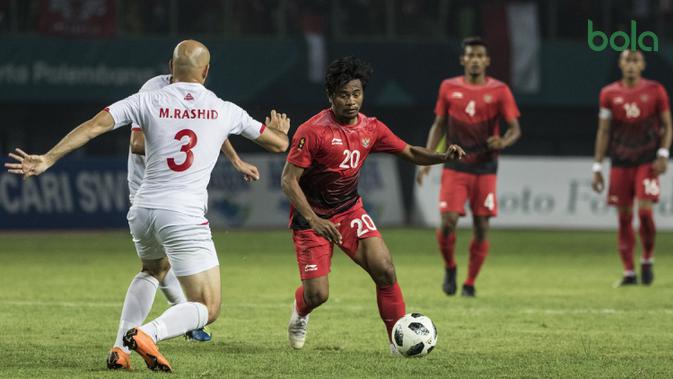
[457,95]
[644,98]
[365,142]
[302,142]
[488,98]
[189,96]
[619,100]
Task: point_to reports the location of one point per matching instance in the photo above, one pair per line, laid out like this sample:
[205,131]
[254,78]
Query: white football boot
[297,328]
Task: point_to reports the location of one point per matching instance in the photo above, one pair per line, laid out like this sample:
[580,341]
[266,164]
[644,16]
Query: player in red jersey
[634,123]
[320,179]
[468,112]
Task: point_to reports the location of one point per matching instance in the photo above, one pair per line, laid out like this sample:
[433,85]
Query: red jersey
[635,130]
[332,156]
[473,113]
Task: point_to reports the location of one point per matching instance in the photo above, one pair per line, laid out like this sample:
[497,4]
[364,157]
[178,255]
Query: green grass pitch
[545,308]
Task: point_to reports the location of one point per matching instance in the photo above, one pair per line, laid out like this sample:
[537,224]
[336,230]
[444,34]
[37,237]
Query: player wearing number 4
[634,125]
[185,126]
[468,112]
[321,178]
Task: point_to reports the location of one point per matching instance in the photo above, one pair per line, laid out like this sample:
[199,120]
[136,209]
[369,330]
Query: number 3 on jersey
[186,148]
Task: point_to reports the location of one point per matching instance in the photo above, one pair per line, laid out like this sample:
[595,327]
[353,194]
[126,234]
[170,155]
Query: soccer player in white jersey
[185,126]
[142,290]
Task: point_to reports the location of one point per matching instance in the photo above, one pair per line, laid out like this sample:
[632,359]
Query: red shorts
[629,182]
[458,187]
[314,252]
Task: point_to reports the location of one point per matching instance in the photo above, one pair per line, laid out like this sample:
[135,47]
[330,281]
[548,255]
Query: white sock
[177,320]
[137,304]
[170,286]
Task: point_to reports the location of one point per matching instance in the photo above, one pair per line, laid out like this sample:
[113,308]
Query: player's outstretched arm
[601,147]
[249,171]
[437,132]
[33,165]
[290,185]
[664,149]
[274,137]
[510,137]
[424,156]
[137,142]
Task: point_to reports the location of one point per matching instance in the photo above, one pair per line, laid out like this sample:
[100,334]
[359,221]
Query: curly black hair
[473,41]
[343,70]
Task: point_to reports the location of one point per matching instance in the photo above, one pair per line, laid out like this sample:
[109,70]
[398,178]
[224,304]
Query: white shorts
[186,240]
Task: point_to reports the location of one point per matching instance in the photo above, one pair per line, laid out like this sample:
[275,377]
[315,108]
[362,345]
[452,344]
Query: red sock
[391,305]
[627,240]
[647,232]
[478,253]
[447,244]
[302,308]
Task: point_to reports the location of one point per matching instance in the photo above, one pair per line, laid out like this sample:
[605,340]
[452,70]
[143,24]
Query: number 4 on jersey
[470,108]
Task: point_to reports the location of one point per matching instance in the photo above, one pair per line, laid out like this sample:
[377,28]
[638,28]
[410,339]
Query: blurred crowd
[381,19]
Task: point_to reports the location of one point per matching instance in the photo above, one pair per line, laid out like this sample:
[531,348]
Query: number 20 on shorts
[364,225]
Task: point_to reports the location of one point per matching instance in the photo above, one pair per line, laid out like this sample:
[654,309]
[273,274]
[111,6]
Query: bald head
[190,62]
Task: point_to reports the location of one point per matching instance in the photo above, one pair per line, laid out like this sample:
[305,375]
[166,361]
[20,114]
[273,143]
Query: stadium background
[62,61]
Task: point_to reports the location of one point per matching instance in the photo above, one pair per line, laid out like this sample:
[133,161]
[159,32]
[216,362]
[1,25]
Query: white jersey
[185,126]
[136,163]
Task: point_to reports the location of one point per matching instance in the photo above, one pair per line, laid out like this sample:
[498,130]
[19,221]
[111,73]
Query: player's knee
[316,297]
[448,225]
[385,276]
[213,312]
[157,269]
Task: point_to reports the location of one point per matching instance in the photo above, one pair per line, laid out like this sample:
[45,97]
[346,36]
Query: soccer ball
[414,335]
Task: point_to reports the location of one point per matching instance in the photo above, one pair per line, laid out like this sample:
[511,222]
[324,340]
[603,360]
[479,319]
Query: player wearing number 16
[185,126]
[321,180]
[634,127]
[468,112]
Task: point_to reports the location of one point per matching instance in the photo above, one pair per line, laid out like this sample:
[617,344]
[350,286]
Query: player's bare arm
[33,165]
[510,137]
[274,138]
[437,132]
[137,142]
[661,163]
[291,188]
[424,156]
[249,171]
[602,139]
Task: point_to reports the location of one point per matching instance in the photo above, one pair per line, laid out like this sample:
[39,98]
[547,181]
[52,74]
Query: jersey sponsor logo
[205,114]
[189,96]
[302,142]
[309,268]
[337,141]
[365,142]
[457,95]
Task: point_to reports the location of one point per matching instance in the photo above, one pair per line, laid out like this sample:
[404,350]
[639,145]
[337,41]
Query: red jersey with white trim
[635,129]
[332,155]
[473,115]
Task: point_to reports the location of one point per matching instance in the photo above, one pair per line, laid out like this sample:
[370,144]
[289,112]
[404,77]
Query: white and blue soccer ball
[414,335]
